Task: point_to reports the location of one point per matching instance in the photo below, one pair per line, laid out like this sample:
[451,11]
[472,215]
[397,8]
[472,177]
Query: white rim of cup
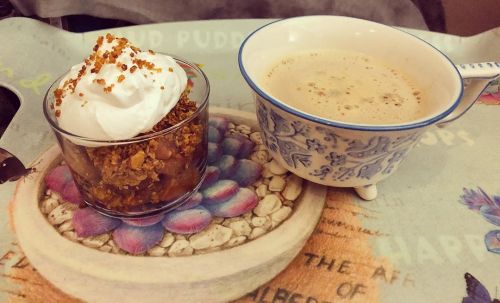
[362,127]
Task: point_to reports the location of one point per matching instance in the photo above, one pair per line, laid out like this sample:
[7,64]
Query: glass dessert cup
[148,174]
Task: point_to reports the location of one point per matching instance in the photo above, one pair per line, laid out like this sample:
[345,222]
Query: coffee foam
[345,86]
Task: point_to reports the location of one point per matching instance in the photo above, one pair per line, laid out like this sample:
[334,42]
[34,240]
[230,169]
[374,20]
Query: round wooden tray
[97,276]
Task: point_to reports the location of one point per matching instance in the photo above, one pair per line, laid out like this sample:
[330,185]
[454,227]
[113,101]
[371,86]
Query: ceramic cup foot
[367,192]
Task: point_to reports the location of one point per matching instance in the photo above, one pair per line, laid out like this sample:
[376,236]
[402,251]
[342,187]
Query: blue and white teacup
[342,154]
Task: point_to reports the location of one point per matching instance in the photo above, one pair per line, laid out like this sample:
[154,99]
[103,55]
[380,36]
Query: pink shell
[220,191]
[244,201]
[57,178]
[247,172]
[194,201]
[88,222]
[135,239]
[147,221]
[218,122]
[187,221]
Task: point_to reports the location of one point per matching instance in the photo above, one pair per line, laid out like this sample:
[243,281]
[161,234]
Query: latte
[345,86]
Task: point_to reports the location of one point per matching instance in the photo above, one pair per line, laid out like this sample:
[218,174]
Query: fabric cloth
[391,12]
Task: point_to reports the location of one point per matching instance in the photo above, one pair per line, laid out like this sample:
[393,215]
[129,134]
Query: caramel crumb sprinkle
[124,67]
[108,89]
[170,69]
[109,37]
[132,69]
[80,94]
[121,78]
[162,87]
[100,81]
[58,113]
[135,49]
[151,52]
[58,93]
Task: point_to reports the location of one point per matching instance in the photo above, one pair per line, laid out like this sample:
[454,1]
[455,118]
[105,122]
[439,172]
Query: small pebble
[266,173]
[235,241]
[256,232]
[97,241]
[280,196]
[260,147]
[48,205]
[167,240]
[280,215]
[180,248]
[217,220]
[268,224]
[157,251]
[231,125]
[241,228]
[215,235]
[228,221]
[66,226]
[293,187]
[261,156]
[277,184]
[55,195]
[244,129]
[276,168]
[268,205]
[248,216]
[114,248]
[256,138]
[72,236]
[257,183]
[106,248]
[261,191]
[259,221]
[61,213]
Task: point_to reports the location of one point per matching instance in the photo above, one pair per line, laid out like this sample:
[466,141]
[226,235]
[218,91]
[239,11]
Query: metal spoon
[11,168]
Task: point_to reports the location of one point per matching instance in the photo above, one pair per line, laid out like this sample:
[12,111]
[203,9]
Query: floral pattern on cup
[324,153]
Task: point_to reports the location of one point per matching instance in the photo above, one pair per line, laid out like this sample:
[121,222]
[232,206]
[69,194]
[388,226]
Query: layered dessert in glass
[132,127]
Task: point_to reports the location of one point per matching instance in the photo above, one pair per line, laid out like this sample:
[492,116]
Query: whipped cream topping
[118,92]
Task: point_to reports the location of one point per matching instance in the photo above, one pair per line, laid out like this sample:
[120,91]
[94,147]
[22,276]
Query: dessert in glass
[132,127]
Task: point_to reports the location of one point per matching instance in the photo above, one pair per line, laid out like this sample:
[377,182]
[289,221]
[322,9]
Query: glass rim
[173,128]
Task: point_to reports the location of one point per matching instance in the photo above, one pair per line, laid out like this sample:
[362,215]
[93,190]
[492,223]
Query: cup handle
[480,76]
